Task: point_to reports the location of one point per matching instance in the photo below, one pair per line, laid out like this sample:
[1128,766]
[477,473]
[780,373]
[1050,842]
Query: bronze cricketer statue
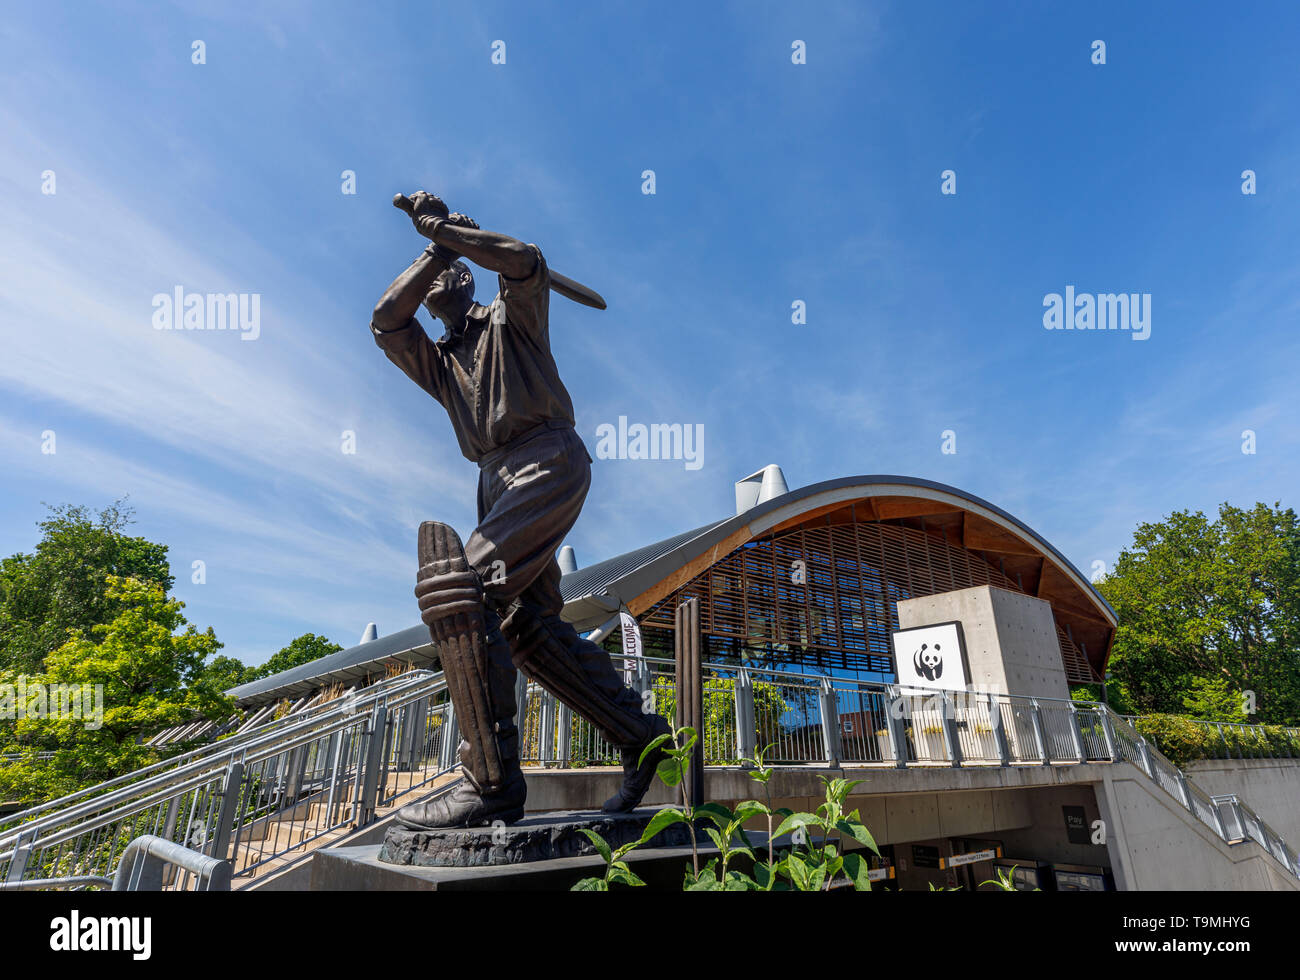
[493,605]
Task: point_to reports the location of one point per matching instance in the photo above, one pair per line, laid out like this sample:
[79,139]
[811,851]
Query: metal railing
[274,787]
[269,722]
[148,863]
[807,718]
[263,795]
[1238,740]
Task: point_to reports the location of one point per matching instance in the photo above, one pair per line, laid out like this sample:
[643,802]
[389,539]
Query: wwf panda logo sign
[931,657]
[928,662]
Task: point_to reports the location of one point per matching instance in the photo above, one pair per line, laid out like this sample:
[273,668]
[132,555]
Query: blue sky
[775,182]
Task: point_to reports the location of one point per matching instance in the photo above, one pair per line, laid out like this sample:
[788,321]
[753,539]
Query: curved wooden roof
[641,578]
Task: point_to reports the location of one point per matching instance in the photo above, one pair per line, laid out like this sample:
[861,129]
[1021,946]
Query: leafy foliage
[1213,699]
[63,585]
[1182,740]
[151,665]
[807,866]
[1210,599]
[303,649]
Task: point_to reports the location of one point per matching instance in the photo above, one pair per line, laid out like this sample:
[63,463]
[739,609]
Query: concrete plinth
[359,869]
[544,837]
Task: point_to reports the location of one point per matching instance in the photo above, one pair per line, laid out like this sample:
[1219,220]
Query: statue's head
[452,291]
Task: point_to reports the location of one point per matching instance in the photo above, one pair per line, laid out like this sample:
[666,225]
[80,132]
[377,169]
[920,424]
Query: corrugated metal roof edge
[342,665]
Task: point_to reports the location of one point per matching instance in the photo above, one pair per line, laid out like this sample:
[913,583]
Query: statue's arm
[490,249]
[403,297]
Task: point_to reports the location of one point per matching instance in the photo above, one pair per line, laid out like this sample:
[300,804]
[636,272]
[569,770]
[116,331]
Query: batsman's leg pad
[451,605]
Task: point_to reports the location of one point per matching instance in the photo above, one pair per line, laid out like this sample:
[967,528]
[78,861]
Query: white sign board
[931,657]
[974,857]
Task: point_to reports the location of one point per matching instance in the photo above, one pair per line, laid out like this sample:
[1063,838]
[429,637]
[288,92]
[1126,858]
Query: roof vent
[568,560]
[370,633]
[760,487]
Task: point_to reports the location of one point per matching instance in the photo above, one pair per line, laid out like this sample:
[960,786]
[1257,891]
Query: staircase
[257,796]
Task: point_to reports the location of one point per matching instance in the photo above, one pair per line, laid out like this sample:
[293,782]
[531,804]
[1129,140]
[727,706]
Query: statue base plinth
[544,837]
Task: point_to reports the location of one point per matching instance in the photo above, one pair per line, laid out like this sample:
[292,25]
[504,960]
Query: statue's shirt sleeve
[411,350]
[527,301]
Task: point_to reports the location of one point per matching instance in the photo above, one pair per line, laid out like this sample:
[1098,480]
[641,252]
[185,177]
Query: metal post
[1144,753]
[1218,818]
[230,791]
[1108,733]
[449,745]
[745,729]
[565,747]
[1036,719]
[1077,737]
[546,723]
[999,731]
[1182,788]
[415,720]
[644,678]
[376,735]
[22,853]
[336,742]
[830,723]
[169,822]
[690,691]
[951,737]
[294,771]
[895,711]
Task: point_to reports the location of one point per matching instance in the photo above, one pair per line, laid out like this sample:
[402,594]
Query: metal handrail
[143,861]
[215,755]
[259,780]
[141,868]
[1226,751]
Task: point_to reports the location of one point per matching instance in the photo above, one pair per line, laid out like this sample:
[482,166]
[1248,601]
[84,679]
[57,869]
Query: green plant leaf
[717,839]
[744,849]
[804,820]
[851,828]
[797,869]
[738,882]
[669,772]
[591,885]
[750,809]
[858,871]
[664,818]
[654,744]
[716,812]
[689,742]
[620,872]
[817,878]
[598,842]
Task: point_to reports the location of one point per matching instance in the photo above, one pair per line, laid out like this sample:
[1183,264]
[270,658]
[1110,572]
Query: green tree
[1213,699]
[1212,599]
[302,650]
[149,663]
[223,673]
[62,586]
